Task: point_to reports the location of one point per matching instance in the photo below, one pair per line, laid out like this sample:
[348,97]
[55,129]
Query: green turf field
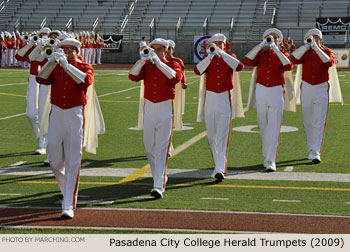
[123,148]
[120,147]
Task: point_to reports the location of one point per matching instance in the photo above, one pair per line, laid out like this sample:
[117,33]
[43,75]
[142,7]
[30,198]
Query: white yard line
[10,194]
[17,163]
[8,117]
[118,92]
[204,198]
[290,201]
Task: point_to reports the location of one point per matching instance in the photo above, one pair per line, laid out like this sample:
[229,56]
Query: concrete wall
[184,50]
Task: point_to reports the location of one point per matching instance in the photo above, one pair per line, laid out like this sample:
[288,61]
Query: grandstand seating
[132,18]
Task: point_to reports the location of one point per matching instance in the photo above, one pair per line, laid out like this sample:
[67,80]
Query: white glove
[63,61]
[219,51]
[274,47]
[170,73]
[262,43]
[59,50]
[323,56]
[307,45]
[314,44]
[153,56]
[284,60]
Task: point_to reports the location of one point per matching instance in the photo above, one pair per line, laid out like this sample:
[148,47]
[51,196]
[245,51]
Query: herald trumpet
[146,52]
[51,42]
[25,38]
[49,51]
[212,49]
[309,40]
[269,39]
[34,38]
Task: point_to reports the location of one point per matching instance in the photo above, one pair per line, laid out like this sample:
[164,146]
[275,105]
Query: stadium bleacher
[132,18]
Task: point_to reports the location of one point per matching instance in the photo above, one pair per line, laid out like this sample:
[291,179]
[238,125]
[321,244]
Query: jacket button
[64,105]
[218,77]
[64,97]
[154,100]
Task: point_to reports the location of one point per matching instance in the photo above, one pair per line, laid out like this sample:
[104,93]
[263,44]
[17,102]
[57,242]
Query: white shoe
[157,193]
[315,157]
[219,176]
[46,162]
[40,151]
[67,214]
[270,166]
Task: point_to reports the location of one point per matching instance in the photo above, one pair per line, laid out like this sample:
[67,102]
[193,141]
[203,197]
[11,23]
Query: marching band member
[160,77]
[70,81]
[99,48]
[11,46]
[319,83]
[218,67]
[35,102]
[267,90]
[3,49]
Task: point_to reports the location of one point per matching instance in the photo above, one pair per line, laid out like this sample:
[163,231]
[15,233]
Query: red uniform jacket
[11,45]
[314,70]
[270,68]
[182,66]
[65,92]
[158,87]
[219,75]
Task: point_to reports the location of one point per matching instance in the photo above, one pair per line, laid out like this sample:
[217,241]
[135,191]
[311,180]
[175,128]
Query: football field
[118,175]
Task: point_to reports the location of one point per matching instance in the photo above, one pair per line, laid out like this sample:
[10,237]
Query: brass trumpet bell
[25,38]
[212,48]
[51,42]
[309,40]
[47,51]
[34,38]
[145,51]
[269,39]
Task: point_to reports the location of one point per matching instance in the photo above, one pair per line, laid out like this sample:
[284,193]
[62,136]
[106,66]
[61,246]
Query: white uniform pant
[15,62]
[98,55]
[314,104]
[36,97]
[82,53]
[269,106]
[10,53]
[157,133]
[66,131]
[93,56]
[217,114]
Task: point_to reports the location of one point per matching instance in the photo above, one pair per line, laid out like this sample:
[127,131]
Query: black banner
[333,26]
[113,43]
